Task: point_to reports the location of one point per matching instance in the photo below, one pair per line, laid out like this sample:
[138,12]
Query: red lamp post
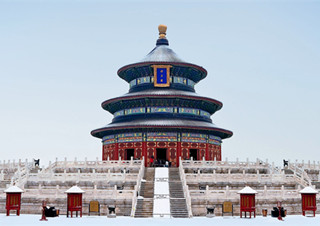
[13,201]
[74,200]
[247,201]
[308,198]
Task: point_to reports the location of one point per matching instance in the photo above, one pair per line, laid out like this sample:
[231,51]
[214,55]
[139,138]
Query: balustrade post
[226,160]
[227,192]
[97,161]
[94,175]
[50,166]
[265,191]
[314,164]
[64,175]
[115,191]
[2,175]
[65,162]
[57,191]
[75,161]
[85,161]
[79,175]
[131,160]
[247,161]
[207,191]
[94,191]
[272,167]
[309,165]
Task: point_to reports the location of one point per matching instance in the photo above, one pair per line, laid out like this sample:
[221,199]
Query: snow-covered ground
[26,220]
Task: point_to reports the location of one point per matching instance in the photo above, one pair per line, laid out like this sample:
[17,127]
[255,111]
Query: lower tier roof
[179,124]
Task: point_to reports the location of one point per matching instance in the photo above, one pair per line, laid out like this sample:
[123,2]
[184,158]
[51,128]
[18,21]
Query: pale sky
[59,61]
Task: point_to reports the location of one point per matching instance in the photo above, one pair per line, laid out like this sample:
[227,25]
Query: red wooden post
[247,201]
[308,199]
[74,200]
[13,201]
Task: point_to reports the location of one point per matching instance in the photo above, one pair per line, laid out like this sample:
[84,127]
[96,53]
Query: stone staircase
[178,204]
[144,206]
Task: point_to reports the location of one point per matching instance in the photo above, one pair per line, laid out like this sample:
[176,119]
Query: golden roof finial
[162,31]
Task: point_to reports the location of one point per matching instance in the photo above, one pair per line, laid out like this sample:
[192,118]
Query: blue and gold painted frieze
[164,136]
[109,140]
[161,109]
[173,79]
[175,110]
[194,137]
[129,137]
[134,111]
[214,140]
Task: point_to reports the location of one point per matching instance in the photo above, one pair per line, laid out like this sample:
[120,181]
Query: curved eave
[101,132]
[141,64]
[106,103]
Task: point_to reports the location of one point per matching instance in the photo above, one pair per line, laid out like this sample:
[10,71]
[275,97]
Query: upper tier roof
[162,53]
[160,93]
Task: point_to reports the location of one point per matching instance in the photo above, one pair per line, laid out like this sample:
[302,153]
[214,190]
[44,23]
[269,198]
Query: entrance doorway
[194,154]
[129,153]
[161,156]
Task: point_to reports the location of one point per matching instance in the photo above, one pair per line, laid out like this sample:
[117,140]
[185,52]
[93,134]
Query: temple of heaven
[161,118]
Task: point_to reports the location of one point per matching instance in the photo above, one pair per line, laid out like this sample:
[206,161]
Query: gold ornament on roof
[162,31]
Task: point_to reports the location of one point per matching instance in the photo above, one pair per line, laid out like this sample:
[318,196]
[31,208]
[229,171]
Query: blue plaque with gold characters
[161,75]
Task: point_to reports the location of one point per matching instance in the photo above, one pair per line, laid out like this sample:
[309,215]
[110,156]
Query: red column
[116,151]
[207,152]
[178,152]
[144,152]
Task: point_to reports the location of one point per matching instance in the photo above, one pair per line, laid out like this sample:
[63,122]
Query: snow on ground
[33,220]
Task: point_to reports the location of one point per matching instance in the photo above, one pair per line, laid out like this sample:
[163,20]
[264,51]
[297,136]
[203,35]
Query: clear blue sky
[58,62]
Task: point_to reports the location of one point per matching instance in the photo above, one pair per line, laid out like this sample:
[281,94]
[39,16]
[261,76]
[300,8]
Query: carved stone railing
[185,188]
[258,164]
[228,194]
[95,164]
[137,188]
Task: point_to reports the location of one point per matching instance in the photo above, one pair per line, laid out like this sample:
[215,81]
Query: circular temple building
[162,118]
